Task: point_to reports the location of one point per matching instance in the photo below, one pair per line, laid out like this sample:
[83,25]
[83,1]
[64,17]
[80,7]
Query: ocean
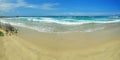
[63,23]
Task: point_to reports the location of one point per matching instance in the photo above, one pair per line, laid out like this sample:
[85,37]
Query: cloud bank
[7,5]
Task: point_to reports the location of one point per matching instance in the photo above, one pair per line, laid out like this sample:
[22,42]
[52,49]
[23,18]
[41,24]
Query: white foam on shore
[95,29]
[40,29]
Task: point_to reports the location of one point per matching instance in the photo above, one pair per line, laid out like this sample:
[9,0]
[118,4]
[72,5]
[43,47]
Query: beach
[33,45]
[59,29]
[58,40]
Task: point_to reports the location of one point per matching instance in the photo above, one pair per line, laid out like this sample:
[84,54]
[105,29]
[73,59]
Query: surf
[62,24]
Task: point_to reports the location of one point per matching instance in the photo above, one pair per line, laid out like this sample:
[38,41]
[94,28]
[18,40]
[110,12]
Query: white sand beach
[31,45]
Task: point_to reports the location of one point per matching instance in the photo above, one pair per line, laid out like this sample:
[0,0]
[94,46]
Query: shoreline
[77,38]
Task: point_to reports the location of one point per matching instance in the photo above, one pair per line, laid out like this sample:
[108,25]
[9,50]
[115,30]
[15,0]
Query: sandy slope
[15,48]
[2,50]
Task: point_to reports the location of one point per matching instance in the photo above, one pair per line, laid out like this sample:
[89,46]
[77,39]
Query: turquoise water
[63,23]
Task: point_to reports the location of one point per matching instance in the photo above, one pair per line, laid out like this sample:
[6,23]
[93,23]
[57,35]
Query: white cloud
[48,6]
[7,5]
[89,13]
[86,13]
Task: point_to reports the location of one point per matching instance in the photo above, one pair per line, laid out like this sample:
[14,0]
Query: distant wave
[78,22]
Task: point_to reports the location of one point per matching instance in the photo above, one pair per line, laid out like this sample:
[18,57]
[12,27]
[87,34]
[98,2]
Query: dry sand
[31,45]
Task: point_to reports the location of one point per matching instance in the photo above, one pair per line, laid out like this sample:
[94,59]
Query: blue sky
[59,7]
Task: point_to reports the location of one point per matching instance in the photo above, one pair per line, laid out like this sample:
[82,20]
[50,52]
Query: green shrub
[1,33]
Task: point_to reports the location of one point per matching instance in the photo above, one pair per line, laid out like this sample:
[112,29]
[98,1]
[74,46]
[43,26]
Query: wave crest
[68,21]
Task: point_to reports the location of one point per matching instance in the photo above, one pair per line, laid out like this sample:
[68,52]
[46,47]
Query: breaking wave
[68,21]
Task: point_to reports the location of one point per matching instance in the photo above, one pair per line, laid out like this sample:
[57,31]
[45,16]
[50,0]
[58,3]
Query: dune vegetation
[8,29]
[1,33]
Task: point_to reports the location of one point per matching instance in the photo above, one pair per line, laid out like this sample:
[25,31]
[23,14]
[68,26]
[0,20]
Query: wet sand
[33,45]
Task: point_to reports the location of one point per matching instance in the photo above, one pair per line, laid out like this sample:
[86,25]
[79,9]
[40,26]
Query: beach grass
[1,33]
[8,29]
